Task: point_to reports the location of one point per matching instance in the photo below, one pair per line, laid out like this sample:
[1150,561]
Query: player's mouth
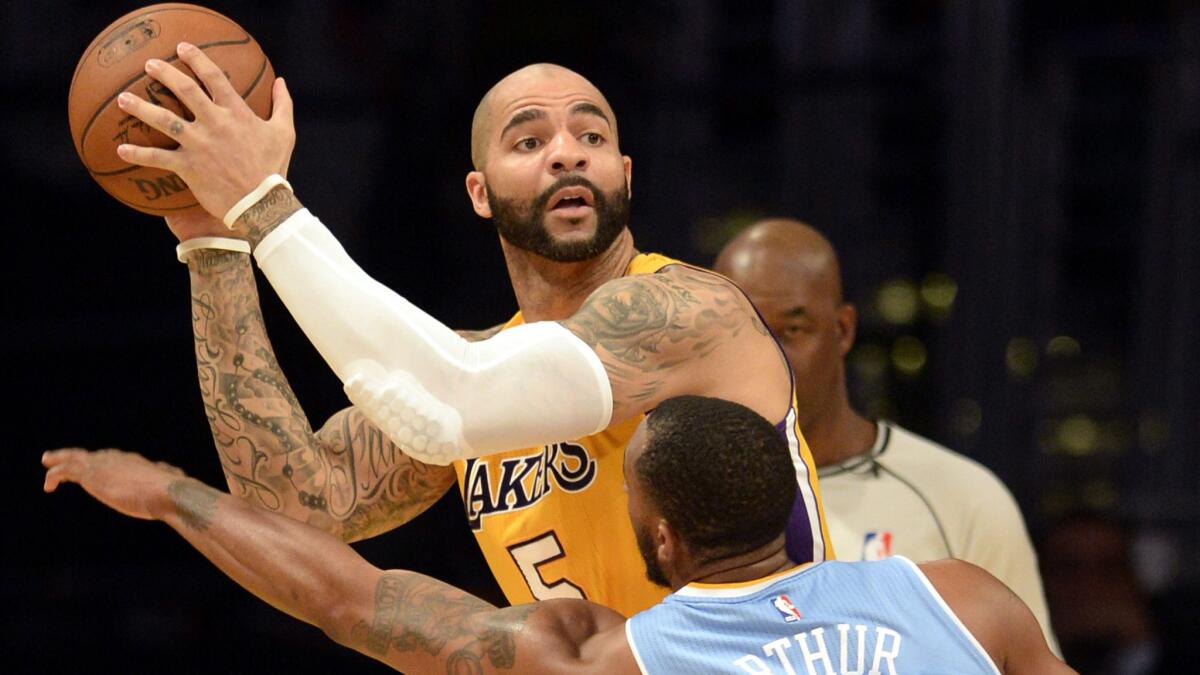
[572,202]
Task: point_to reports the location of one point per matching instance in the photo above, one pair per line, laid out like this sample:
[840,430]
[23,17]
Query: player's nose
[567,154]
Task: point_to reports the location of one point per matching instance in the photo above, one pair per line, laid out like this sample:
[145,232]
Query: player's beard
[645,544]
[526,228]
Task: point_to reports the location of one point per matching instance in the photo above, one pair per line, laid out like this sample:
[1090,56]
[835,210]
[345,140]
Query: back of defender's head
[719,473]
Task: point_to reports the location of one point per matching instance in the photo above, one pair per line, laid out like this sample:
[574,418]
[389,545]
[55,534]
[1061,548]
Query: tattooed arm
[347,479]
[681,331]
[407,620]
[636,341]
[437,395]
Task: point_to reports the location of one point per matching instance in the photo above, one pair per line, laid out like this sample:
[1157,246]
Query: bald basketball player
[532,417]
[886,490]
[739,605]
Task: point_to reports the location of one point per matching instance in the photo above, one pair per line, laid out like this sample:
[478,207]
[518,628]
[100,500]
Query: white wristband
[269,183]
[224,243]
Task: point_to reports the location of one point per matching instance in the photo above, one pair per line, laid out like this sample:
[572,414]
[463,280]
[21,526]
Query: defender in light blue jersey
[710,488]
[833,617]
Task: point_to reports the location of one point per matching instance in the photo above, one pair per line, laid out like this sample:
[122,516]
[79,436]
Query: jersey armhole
[941,602]
[637,655]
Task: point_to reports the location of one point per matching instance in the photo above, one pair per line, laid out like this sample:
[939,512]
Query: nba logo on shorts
[877,545]
[786,609]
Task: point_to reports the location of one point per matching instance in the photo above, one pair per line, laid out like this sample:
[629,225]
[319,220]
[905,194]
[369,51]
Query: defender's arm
[407,620]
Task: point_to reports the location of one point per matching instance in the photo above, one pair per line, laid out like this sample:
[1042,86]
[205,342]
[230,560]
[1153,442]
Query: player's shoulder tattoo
[657,321]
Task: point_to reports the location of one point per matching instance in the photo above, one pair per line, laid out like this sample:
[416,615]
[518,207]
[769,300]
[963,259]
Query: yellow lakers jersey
[552,521]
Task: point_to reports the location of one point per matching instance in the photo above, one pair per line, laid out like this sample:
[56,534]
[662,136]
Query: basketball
[114,63]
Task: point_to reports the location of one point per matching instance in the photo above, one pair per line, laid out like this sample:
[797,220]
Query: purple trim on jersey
[798,535]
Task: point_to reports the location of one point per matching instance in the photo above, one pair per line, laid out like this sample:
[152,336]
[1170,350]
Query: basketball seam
[253,84]
[124,23]
[180,7]
[104,104]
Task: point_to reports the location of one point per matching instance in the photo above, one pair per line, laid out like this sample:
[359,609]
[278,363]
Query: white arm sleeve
[432,392]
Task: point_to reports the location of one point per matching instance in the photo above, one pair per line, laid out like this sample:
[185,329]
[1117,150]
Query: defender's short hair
[719,473]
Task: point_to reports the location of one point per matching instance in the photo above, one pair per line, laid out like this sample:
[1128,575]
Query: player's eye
[528,144]
[593,138]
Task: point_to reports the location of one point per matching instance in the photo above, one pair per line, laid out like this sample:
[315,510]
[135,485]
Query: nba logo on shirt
[877,545]
[786,609]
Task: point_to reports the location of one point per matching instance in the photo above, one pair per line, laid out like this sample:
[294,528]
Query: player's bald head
[538,79]
[784,251]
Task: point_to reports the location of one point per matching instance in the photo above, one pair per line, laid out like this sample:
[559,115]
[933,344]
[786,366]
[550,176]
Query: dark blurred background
[1014,188]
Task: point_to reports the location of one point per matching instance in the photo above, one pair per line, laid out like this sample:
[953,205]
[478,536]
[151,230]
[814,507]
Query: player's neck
[552,291]
[756,564]
[839,433]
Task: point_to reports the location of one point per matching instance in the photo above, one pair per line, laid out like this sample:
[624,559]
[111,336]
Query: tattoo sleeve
[347,479]
[421,620]
[648,327]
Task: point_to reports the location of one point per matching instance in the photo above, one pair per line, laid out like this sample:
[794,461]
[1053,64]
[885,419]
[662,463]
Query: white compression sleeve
[432,392]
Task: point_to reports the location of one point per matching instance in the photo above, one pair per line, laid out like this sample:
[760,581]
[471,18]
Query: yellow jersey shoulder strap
[649,263]
[642,263]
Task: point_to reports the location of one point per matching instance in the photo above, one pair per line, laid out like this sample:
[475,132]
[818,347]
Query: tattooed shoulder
[657,321]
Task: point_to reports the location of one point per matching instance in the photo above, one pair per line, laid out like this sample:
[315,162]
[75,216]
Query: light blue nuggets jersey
[881,617]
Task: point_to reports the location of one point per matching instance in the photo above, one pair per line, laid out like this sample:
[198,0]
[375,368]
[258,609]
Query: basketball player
[887,490]
[739,605]
[534,414]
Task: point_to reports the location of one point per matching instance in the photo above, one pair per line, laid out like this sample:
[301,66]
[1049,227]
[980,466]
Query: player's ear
[477,191]
[667,545]
[847,324]
[628,164]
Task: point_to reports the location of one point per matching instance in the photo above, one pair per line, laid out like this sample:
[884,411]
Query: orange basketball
[115,62]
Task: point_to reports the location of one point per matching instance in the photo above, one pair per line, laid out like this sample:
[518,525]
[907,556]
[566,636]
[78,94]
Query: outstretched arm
[635,341]
[347,479]
[407,620]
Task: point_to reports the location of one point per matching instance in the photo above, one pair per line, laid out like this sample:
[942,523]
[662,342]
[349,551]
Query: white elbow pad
[432,392]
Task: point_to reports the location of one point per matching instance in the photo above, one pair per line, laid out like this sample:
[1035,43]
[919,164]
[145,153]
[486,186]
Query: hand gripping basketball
[227,150]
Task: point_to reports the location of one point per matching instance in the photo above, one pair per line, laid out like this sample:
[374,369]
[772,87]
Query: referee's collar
[883,434]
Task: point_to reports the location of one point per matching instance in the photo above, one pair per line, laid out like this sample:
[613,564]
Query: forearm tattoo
[259,220]
[349,479]
[194,501]
[413,613]
[645,326]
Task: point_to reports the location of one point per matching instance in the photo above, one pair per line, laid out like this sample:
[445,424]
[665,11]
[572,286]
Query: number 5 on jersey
[530,555]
